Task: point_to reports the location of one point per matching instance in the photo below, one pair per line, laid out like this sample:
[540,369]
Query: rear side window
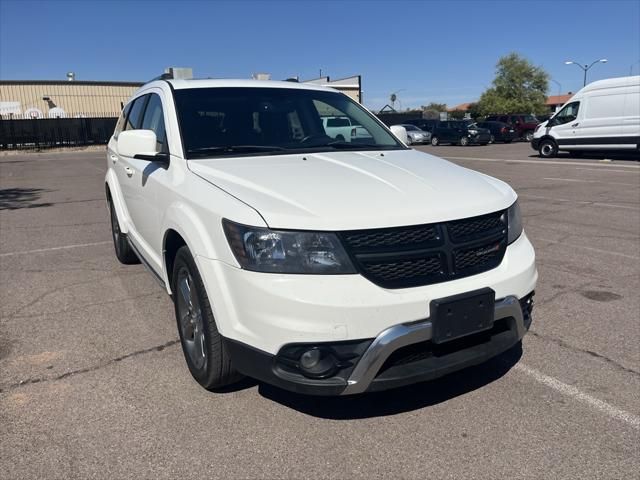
[154,120]
[121,120]
[338,122]
[134,119]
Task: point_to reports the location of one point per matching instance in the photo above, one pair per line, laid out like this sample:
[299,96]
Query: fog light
[310,358]
[318,363]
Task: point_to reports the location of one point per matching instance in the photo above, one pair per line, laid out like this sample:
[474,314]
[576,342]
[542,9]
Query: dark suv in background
[459,132]
[500,131]
[523,123]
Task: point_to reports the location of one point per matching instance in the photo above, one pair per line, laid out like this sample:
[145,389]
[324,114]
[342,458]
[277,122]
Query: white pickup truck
[343,130]
[317,265]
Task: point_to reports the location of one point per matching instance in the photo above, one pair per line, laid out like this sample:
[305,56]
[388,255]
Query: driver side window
[568,114]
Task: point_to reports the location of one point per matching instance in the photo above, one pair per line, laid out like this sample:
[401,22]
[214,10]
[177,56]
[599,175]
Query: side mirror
[400,132]
[140,144]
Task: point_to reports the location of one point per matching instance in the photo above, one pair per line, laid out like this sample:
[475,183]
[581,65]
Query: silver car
[415,135]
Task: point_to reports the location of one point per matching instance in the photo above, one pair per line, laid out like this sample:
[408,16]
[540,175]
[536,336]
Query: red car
[523,123]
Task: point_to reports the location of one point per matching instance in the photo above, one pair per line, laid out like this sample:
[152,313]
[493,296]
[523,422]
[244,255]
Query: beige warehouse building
[63,99]
[70,99]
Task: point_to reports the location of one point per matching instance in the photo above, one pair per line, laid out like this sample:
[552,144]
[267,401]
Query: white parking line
[545,162]
[569,245]
[571,391]
[581,202]
[554,179]
[41,250]
[610,170]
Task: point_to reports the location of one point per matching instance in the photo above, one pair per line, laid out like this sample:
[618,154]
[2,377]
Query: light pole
[585,68]
[559,86]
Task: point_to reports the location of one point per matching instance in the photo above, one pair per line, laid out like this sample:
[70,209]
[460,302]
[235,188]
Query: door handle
[575,124]
[128,171]
[114,158]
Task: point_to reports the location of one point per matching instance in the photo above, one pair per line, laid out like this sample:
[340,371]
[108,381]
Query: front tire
[202,345]
[548,149]
[124,252]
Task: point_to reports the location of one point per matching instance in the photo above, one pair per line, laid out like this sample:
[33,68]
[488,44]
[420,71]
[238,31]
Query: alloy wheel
[190,319]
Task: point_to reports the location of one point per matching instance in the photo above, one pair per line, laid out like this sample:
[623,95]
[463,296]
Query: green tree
[519,87]
[433,110]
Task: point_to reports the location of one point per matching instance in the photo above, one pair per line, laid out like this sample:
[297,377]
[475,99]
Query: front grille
[390,271]
[424,254]
[367,239]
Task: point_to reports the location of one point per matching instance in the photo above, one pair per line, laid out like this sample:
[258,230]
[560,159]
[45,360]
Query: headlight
[473,132]
[514,223]
[280,251]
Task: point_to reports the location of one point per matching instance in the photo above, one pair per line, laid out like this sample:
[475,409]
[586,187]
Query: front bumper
[400,355]
[480,138]
[535,143]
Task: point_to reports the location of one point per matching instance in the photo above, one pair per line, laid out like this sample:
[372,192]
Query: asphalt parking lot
[93,383]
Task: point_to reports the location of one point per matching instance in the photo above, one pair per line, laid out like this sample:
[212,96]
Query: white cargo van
[604,115]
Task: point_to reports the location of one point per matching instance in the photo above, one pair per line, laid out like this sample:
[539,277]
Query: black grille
[462,229]
[424,254]
[367,239]
[390,271]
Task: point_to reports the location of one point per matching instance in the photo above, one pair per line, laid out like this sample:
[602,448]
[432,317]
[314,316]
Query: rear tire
[202,344]
[507,141]
[124,252]
[548,149]
[528,136]
[435,141]
[464,141]
[492,139]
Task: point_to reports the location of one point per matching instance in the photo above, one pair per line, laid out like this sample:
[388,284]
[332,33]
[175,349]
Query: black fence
[55,132]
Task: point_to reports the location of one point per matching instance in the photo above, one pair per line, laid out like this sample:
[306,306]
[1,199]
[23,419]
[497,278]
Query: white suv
[317,265]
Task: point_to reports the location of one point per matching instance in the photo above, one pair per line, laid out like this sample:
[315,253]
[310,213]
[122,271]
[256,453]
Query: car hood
[355,190]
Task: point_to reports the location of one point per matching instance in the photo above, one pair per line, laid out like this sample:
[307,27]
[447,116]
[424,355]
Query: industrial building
[33,99]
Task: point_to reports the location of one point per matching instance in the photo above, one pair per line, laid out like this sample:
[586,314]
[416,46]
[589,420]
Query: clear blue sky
[431,51]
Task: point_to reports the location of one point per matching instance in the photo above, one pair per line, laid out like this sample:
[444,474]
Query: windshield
[246,120]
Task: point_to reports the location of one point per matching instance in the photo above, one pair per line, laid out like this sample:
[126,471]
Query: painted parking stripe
[52,249]
[592,249]
[577,394]
[580,180]
[544,162]
[582,202]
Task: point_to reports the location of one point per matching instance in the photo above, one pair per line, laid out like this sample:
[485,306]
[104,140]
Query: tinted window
[154,120]
[237,121]
[338,122]
[134,120]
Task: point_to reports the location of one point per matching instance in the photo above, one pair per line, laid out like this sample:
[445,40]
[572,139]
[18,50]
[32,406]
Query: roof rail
[164,76]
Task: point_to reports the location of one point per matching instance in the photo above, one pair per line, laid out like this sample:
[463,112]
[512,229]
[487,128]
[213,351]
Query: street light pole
[585,68]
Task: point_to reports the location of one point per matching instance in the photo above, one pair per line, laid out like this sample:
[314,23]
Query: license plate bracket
[461,315]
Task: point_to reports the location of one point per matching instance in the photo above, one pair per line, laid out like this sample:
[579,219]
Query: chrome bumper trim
[405,334]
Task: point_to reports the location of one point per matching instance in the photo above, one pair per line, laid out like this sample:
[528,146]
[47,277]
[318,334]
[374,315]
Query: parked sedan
[500,131]
[415,135]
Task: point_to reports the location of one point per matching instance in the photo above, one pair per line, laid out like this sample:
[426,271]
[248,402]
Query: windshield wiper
[235,149]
